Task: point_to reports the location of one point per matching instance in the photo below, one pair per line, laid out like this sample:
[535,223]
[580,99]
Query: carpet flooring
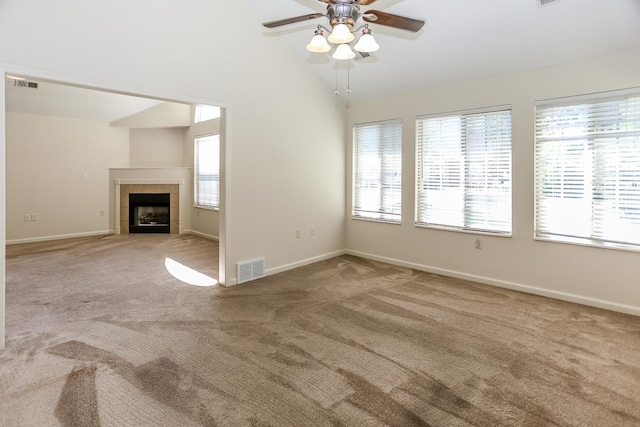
[100,334]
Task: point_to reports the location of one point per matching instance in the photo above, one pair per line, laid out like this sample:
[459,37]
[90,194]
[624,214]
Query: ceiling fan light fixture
[341,34]
[318,43]
[367,44]
[343,52]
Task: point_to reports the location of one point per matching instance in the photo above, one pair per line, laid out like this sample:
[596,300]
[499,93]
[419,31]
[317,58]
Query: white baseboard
[286,267]
[304,262]
[578,299]
[206,236]
[59,237]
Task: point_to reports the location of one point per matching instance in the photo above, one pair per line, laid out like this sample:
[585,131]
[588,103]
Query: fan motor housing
[343,13]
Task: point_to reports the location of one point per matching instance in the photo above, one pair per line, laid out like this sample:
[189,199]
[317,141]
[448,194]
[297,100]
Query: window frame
[201,110]
[394,191]
[214,206]
[587,102]
[463,171]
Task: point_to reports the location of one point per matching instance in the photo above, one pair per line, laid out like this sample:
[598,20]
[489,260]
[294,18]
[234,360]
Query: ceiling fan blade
[280,22]
[391,20]
[364,2]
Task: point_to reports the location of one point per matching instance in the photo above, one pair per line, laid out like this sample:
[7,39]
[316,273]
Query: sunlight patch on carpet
[188,275]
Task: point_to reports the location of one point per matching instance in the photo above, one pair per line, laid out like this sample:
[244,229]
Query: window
[588,170]
[377,171]
[464,171]
[207,171]
[205,112]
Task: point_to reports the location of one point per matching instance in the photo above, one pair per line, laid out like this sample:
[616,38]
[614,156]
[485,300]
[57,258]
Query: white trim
[59,237]
[3,208]
[205,235]
[148,181]
[585,242]
[287,267]
[479,110]
[587,97]
[302,263]
[150,168]
[462,230]
[578,299]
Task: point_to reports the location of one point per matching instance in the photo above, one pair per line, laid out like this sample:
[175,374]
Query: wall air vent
[545,2]
[25,83]
[250,270]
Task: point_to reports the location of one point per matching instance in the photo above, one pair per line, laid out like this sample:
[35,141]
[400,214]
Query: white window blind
[377,171]
[207,171]
[464,170]
[588,170]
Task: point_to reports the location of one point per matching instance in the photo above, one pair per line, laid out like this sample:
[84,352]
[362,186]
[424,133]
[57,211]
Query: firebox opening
[149,213]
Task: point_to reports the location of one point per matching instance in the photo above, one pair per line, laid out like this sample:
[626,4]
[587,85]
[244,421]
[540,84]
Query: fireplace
[149,212]
[144,194]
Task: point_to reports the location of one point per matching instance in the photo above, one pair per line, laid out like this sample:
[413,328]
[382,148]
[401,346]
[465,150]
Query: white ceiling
[462,40]
[51,99]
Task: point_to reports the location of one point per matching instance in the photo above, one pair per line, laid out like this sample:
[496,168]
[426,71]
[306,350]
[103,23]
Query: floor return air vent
[250,270]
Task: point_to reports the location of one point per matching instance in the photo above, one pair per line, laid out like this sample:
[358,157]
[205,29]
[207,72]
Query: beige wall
[60,151]
[47,159]
[156,147]
[601,277]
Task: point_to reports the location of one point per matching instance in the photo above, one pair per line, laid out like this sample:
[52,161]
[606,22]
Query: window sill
[383,221]
[207,208]
[586,242]
[466,231]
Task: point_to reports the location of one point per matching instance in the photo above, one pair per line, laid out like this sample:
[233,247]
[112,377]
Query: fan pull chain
[336,92]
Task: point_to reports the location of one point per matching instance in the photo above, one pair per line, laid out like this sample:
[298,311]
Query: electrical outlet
[101,212]
[27,217]
[313,230]
[298,233]
[34,217]
[478,244]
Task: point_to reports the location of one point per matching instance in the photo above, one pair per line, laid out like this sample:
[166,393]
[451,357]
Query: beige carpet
[100,334]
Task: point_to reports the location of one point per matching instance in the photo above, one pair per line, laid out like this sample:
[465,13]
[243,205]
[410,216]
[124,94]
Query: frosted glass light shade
[318,44]
[367,44]
[341,34]
[343,52]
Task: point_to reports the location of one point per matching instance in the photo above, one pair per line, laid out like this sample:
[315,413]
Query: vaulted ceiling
[462,40]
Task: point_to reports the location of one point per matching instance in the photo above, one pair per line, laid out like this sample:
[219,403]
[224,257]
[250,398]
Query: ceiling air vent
[25,83]
[545,2]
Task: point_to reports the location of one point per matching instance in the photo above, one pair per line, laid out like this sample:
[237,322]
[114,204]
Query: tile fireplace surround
[124,187]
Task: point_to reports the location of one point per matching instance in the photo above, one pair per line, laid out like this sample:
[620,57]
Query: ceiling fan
[343,16]
[348,12]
